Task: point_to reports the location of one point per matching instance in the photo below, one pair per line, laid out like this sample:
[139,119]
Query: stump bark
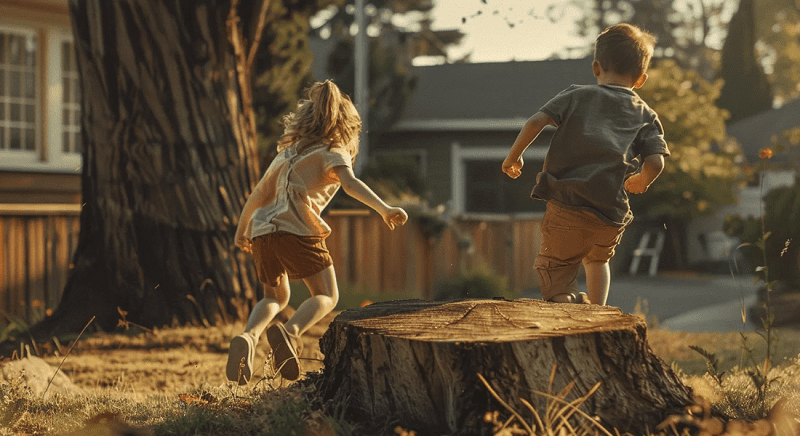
[418,364]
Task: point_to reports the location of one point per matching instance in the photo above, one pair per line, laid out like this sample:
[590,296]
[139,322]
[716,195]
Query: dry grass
[171,382]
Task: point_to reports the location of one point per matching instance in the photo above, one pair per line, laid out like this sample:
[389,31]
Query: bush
[478,283]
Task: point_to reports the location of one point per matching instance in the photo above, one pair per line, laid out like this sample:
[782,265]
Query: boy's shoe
[284,352]
[241,354]
[579,298]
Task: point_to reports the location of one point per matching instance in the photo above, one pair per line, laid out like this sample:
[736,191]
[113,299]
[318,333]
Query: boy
[602,132]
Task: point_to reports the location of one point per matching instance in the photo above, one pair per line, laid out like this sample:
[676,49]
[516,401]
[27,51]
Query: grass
[168,382]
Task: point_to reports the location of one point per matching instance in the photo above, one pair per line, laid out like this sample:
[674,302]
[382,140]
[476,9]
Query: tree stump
[419,364]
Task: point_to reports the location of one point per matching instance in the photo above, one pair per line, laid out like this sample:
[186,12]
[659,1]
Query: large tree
[746,91]
[169,158]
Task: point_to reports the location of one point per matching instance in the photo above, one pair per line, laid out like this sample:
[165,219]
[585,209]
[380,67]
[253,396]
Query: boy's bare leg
[598,281]
[275,299]
[324,297]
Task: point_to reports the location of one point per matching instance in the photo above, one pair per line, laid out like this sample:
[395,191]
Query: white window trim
[458,157]
[56,160]
[13,158]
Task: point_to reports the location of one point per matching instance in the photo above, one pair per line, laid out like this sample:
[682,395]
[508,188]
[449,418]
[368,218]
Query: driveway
[685,301]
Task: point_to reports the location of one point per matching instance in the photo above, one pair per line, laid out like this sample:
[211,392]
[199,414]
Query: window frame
[458,157]
[48,155]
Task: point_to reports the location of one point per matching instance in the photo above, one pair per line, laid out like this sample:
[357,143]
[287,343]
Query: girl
[281,225]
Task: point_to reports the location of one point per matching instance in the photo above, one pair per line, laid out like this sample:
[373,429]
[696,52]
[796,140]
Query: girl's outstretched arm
[354,187]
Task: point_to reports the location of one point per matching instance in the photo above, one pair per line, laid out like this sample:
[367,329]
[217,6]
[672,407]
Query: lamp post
[362,83]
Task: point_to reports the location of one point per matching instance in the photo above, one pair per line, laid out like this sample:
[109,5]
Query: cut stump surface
[417,363]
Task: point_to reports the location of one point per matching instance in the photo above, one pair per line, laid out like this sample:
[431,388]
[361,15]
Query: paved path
[689,302]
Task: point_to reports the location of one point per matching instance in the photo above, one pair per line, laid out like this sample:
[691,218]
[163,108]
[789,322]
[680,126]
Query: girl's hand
[513,168]
[394,217]
[243,243]
[636,184]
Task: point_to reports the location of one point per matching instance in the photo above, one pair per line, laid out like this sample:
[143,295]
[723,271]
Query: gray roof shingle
[497,91]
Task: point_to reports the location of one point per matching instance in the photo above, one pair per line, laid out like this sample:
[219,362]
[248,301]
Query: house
[706,240]
[461,121]
[40,160]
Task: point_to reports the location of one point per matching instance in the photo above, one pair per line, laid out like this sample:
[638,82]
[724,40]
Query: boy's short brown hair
[624,49]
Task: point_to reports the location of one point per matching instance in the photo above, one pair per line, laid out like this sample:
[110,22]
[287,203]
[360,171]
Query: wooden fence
[36,246]
[37,243]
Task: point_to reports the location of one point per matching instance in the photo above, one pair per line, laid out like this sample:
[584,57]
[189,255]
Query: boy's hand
[513,168]
[394,217]
[636,184]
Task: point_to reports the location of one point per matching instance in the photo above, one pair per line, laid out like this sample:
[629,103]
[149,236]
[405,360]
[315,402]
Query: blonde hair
[326,114]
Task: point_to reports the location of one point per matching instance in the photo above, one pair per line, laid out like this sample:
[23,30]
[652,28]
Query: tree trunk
[419,364]
[169,158]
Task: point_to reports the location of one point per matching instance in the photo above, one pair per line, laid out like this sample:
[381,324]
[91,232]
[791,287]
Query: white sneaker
[241,354]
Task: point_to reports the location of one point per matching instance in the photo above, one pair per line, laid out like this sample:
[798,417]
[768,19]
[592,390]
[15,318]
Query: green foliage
[746,91]
[778,46]
[712,363]
[701,171]
[478,283]
[282,67]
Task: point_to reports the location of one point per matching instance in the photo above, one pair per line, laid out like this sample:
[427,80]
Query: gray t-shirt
[604,133]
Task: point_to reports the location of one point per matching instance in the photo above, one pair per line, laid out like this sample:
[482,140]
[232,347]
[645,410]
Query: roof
[756,132]
[488,96]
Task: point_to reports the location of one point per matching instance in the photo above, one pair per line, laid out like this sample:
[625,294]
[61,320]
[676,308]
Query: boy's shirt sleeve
[650,139]
[559,106]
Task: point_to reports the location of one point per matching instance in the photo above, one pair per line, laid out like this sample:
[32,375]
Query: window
[70,100]
[479,187]
[39,100]
[488,190]
[18,91]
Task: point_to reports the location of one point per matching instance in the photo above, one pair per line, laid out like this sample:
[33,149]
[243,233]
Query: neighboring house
[707,241]
[40,161]
[461,121]
[40,158]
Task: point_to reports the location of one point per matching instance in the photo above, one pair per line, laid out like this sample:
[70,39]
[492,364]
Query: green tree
[746,90]
[282,67]
[778,45]
[399,31]
[701,171]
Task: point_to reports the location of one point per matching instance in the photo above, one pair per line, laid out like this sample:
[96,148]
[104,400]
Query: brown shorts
[570,237]
[298,256]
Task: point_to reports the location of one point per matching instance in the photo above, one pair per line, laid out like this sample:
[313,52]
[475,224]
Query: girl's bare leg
[275,299]
[324,297]
[598,281]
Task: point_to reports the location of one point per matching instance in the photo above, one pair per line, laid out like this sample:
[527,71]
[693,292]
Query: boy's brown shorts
[570,237]
[298,256]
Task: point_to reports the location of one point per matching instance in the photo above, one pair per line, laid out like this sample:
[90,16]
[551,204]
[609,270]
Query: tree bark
[169,158]
[418,364]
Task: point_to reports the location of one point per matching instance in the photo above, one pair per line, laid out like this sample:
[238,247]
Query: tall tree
[169,159]
[747,90]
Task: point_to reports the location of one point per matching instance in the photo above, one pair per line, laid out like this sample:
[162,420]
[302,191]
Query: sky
[498,31]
